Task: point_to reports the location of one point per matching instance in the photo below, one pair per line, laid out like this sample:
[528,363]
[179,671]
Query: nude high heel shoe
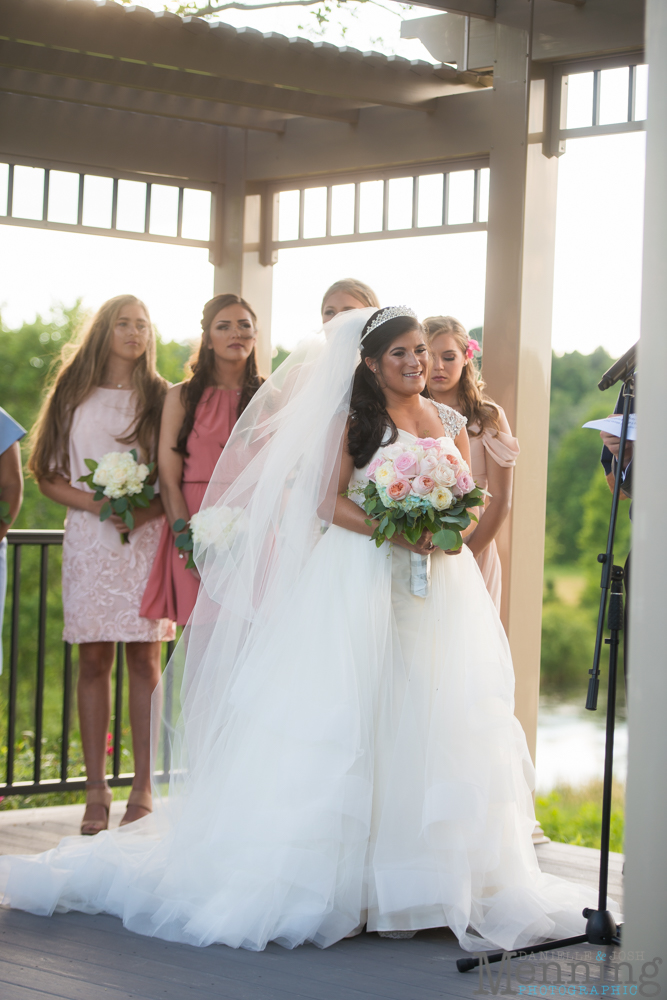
[144,800]
[98,793]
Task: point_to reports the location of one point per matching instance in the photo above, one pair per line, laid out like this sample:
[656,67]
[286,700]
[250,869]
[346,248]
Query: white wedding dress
[360,762]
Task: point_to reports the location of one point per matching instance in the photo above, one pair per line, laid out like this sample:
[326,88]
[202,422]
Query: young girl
[107,396]
[198,418]
[455,381]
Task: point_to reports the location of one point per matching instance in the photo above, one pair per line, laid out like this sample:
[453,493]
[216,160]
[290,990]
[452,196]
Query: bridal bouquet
[121,478]
[210,526]
[422,487]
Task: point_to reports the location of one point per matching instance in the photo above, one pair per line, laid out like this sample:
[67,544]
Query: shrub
[574,815]
[568,638]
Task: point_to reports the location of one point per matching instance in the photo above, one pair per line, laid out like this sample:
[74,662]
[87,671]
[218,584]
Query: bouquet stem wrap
[420,575]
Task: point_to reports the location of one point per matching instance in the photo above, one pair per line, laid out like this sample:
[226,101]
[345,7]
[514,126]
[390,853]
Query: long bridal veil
[274,491]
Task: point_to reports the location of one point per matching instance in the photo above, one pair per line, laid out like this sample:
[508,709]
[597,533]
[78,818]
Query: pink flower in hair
[473,346]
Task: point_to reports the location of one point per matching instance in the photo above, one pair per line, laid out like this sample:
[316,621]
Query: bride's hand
[424,547]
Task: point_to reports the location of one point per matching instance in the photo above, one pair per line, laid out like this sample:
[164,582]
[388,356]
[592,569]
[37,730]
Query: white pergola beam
[134,37]
[86,68]
[144,102]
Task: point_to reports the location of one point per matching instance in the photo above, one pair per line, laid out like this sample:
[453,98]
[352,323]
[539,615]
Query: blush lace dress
[104,580]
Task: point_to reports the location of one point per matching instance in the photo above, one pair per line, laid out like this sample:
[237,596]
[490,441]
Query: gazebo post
[517,340]
[233,270]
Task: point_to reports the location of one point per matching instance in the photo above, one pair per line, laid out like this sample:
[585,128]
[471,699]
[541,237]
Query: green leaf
[391,529]
[151,466]
[140,501]
[149,491]
[180,524]
[133,453]
[129,520]
[120,505]
[99,495]
[447,539]
[383,523]
[105,511]
[183,542]
[90,464]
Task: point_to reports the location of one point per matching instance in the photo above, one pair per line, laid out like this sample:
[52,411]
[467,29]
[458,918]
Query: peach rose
[423,485]
[398,489]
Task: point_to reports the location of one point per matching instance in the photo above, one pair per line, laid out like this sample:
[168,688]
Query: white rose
[385,475]
[392,451]
[443,474]
[441,498]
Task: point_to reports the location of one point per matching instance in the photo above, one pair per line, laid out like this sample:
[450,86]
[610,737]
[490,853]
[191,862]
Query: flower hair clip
[473,346]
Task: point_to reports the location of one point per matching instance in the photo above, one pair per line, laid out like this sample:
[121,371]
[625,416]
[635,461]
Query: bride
[346,753]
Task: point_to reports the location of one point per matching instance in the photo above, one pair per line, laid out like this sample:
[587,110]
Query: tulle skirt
[364,765]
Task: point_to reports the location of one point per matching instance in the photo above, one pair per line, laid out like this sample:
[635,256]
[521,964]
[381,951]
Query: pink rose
[426,442]
[423,485]
[427,464]
[465,482]
[398,489]
[406,464]
[375,464]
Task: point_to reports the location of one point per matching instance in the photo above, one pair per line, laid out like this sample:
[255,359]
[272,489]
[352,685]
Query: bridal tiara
[384,315]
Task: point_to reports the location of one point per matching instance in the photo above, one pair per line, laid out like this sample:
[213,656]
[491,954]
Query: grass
[574,815]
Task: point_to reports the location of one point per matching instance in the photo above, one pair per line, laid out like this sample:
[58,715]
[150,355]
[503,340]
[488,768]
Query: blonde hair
[79,370]
[473,401]
[357,289]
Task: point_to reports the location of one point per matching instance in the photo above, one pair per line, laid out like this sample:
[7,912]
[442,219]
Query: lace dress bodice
[452,423]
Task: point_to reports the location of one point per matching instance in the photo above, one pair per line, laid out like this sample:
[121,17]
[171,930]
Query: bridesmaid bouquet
[121,478]
[210,526]
[422,487]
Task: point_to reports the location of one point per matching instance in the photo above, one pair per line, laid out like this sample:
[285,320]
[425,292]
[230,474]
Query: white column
[645,928]
[517,342]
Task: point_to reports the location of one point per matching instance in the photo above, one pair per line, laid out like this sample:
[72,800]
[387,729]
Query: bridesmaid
[347,294]
[107,396]
[198,418]
[456,381]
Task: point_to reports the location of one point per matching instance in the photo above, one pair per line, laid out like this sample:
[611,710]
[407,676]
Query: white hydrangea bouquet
[421,487]
[210,526]
[121,478]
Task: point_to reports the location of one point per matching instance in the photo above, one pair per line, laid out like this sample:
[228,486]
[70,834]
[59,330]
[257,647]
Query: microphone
[619,370]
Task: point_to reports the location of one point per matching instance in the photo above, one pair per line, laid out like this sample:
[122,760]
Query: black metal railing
[17,540]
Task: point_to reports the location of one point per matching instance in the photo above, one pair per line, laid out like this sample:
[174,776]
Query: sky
[598,243]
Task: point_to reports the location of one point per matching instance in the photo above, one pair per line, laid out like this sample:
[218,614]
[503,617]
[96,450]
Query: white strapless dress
[368,767]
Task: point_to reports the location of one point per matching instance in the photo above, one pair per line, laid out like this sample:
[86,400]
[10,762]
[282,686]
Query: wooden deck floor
[77,957]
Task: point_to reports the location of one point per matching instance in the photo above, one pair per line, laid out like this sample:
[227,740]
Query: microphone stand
[601,928]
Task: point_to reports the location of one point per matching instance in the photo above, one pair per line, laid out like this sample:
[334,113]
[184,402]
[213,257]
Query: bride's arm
[348,514]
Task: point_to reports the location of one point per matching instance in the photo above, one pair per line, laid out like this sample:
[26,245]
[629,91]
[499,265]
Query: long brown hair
[79,370]
[357,289]
[473,401]
[202,366]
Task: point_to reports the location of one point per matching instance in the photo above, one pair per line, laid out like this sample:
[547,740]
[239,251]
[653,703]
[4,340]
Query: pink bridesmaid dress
[172,589]
[503,449]
[104,580]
